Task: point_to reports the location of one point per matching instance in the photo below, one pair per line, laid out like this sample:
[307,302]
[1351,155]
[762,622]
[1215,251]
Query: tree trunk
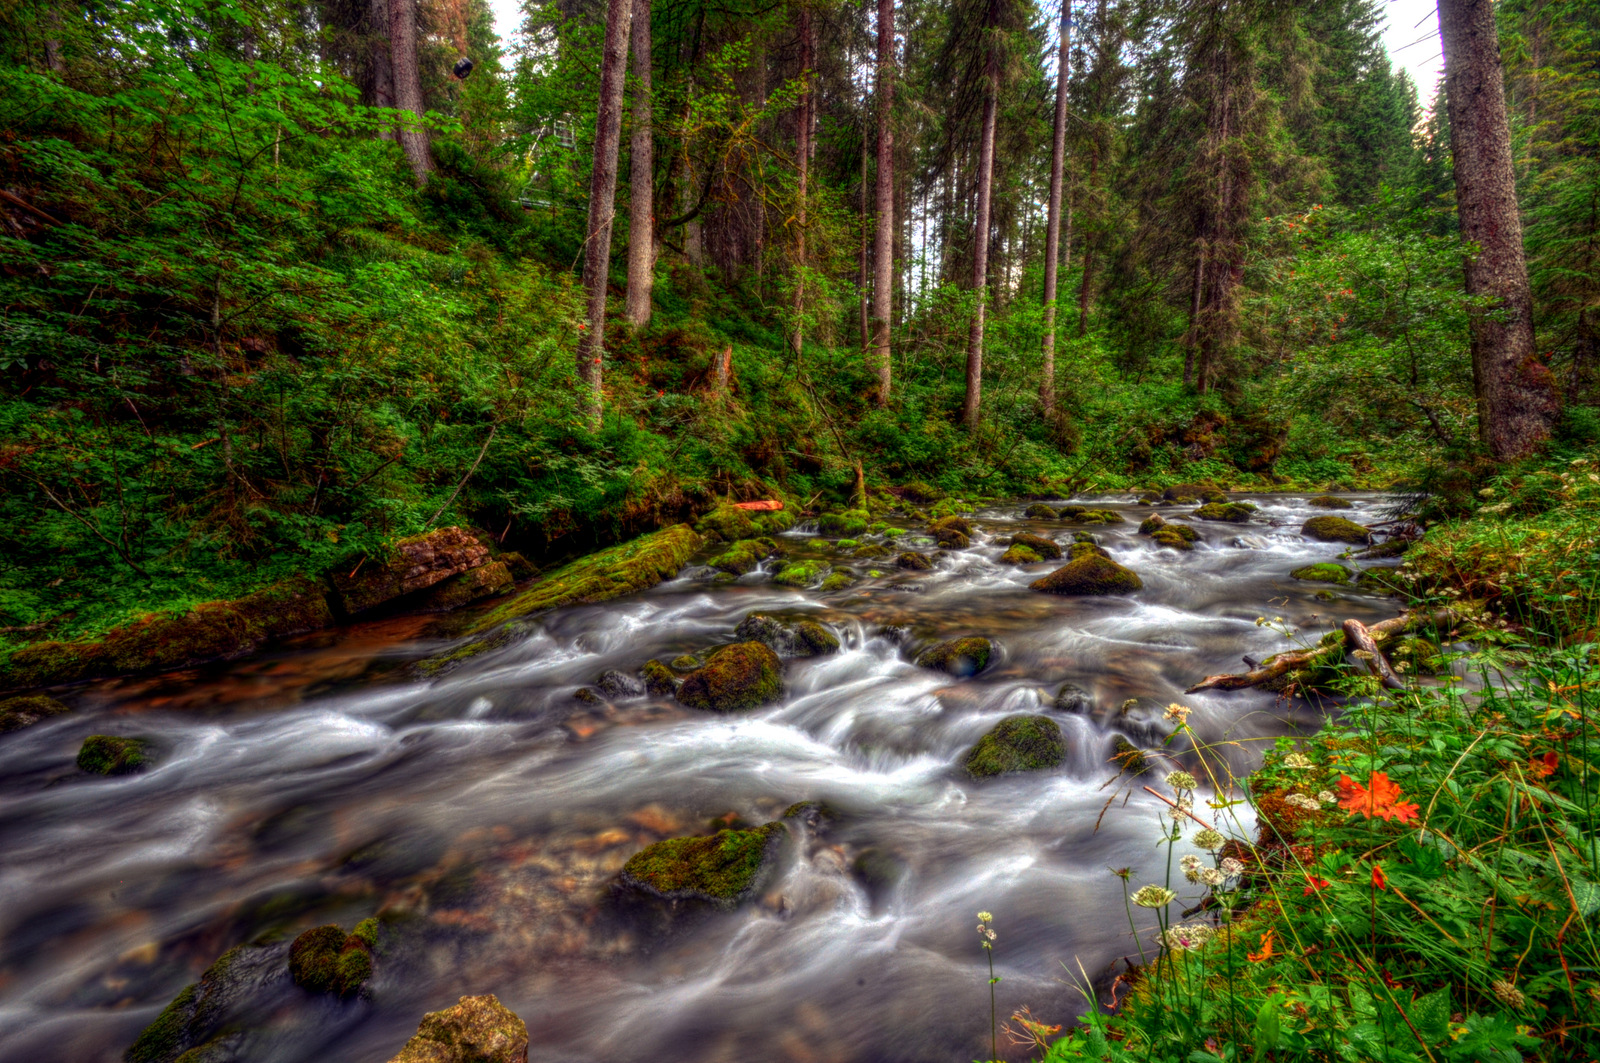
[380,60]
[802,151]
[883,238]
[1052,228]
[602,204]
[408,87]
[980,230]
[1517,403]
[641,178]
[863,293]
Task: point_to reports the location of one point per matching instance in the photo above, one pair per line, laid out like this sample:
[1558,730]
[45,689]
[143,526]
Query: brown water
[322,784]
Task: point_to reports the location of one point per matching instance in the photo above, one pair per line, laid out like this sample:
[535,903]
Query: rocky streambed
[747,814]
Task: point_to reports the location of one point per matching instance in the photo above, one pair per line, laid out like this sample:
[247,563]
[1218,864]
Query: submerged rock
[745,675]
[1039,511]
[325,959]
[113,755]
[1017,743]
[953,531]
[914,561]
[1332,529]
[17,713]
[837,581]
[205,1017]
[475,1030]
[1129,757]
[1176,537]
[659,680]
[1231,512]
[958,657]
[1070,697]
[1329,502]
[800,638]
[870,551]
[1089,574]
[721,870]
[1322,572]
[619,685]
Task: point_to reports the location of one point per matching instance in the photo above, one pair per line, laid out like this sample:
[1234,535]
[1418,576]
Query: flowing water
[489,809]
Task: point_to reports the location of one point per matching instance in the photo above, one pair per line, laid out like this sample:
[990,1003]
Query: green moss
[744,556]
[519,567]
[624,569]
[1383,579]
[801,638]
[1322,572]
[914,561]
[164,1039]
[1047,549]
[959,657]
[1019,555]
[723,869]
[1086,515]
[325,959]
[1152,524]
[816,638]
[801,573]
[1332,529]
[845,523]
[475,1030]
[485,581]
[1039,511]
[950,507]
[1330,502]
[952,531]
[112,755]
[1129,757]
[25,711]
[726,522]
[685,662]
[920,493]
[870,551]
[1089,574]
[1200,492]
[1231,512]
[742,676]
[659,680]
[837,581]
[1173,538]
[366,932]
[1017,743]
[846,544]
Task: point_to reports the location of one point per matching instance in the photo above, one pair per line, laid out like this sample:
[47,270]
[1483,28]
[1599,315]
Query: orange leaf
[1265,952]
[1379,799]
[1545,765]
[1379,880]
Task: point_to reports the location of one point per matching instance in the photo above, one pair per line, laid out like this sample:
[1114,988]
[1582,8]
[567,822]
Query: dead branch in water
[1357,638]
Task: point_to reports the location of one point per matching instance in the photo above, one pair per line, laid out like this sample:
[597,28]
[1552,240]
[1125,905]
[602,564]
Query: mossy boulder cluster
[844,524]
[1088,515]
[1188,494]
[1017,743]
[729,523]
[1091,572]
[1046,549]
[802,574]
[25,711]
[1322,572]
[475,1030]
[660,681]
[1164,533]
[722,869]
[743,556]
[113,755]
[914,562]
[798,638]
[325,959]
[958,657]
[950,507]
[1330,502]
[1331,529]
[1229,512]
[736,678]
[953,532]
[1040,511]
[202,1022]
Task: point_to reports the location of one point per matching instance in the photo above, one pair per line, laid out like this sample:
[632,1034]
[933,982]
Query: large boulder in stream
[113,755]
[1330,502]
[1322,572]
[1181,494]
[17,713]
[1332,529]
[799,638]
[954,532]
[745,675]
[1044,549]
[475,1030]
[958,657]
[743,556]
[1091,572]
[209,1019]
[1230,512]
[1017,743]
[720,870]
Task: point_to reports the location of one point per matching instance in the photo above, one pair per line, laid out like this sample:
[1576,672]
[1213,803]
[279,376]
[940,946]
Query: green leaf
[1268,1027]
[1431,1015]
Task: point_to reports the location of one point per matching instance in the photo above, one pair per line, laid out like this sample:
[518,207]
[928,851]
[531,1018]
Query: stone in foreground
[1017,743]
[958,657]
[476,1030]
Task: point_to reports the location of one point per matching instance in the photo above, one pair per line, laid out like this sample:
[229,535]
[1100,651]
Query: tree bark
[803,161]
[408,87]
[380,61]
[1517,402]
[980,230]
[883,237]
[1052,228]
[641,178]
[602,204]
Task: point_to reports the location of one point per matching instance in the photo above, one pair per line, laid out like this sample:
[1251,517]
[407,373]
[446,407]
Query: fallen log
[1363,640]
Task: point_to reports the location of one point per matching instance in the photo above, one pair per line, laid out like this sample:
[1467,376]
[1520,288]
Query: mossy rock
[1152,524]
[1322,572]
[1181,494]
[958,657]
[1087,549]
[1070,697]
[870,551]
[685,662]
[1330,502]
[475,1030]
[1149,498]
[1229,512]
[846,545]
[25,711]
[1086,515]
[743,556]
[1017,743]
[325,959]
[611,573]
[660,681]
[1047,549]
[745,675]
[820,546]
[950,507]
[802,574]
[160,642]
[722,870]
[844,524]
[1386,549]
[951,527]
[920,493]
[113,755]
[727,522]
[801,638]
[1326,596]
[1039,511]
[1086,537]
[1129,758]
[1176,537]
[914,561]
[205,1010]
[837,581]
[1020,555]
[1331,529]
[486,581]
[1089,574]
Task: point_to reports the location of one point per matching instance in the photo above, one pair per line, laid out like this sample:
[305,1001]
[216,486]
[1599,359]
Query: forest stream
[326,782]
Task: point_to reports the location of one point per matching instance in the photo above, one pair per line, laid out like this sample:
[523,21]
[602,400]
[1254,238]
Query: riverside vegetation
[293,332]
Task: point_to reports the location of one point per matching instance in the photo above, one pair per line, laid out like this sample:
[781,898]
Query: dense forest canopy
[278,275]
